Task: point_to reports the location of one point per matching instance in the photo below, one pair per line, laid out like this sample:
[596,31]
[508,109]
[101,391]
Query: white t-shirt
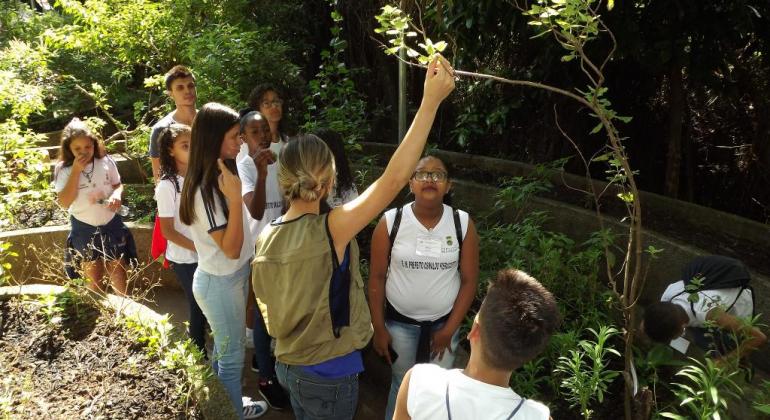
[708,300]
[468,398]
[211,258]
[95,183]
[168,206]
[346,196]
[247,171]
[423,278]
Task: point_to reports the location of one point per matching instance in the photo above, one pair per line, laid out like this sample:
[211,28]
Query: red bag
[159,243]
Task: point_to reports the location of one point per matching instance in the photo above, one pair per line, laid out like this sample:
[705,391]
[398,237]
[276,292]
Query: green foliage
[528,379]
[181,356]
[762,401]
[567,269]
[585,370]
[398,26]
[72,301]
[52,308]
[649,362]
[704,395]
[105,59]
[6,255]
[333,101]
[517,191]
[23,172]
[219,48]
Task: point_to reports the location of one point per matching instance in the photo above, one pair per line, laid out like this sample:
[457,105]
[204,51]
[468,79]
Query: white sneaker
[249,338]
[254,409]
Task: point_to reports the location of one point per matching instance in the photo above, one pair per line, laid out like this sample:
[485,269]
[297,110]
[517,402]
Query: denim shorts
[91,243]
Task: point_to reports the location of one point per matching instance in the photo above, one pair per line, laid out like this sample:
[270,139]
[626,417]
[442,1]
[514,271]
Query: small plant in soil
[703,395]
[585,370]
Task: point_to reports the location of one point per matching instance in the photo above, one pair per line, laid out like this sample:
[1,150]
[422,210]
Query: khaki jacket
[291,273]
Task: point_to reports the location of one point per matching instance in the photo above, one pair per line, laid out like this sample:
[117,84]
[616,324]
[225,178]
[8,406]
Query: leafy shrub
[586,372]
[568,269]
[333,101]
[704,396]
[230,60]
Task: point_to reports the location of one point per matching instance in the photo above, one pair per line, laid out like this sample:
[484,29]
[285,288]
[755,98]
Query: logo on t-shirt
[449,241]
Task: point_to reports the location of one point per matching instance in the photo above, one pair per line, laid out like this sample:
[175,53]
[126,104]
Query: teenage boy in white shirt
[513,326]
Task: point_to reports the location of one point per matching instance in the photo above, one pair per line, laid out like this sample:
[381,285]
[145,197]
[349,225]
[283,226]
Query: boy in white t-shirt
[695,309]
[513,326]
[258,170]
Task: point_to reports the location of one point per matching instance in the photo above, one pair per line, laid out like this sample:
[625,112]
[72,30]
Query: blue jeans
[265,361]
[197,326]
[404,341]
[313,397]
[223,301]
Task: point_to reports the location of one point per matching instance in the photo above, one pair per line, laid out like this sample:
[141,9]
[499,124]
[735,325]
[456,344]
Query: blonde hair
[306,166]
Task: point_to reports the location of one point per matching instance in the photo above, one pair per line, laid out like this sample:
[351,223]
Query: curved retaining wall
[694,216]
[41,253]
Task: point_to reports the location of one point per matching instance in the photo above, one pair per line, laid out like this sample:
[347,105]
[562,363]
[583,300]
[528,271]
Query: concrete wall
[41,252]
[695,217]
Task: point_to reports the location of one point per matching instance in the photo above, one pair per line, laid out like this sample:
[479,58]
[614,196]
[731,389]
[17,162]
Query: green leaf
[597,128]
[714,394]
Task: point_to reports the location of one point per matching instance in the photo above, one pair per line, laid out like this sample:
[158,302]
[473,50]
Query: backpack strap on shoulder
[459,233]
[393,233]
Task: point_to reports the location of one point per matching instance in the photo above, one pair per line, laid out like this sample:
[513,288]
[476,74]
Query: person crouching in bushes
[513,326]
[87,184]
[708,304]
[174,154]
[211,205]
[423,276]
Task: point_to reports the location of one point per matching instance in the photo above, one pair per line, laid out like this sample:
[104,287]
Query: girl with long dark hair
[211,204]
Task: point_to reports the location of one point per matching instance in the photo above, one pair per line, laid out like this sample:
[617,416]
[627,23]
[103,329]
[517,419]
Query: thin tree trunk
[675,115]
[690,155]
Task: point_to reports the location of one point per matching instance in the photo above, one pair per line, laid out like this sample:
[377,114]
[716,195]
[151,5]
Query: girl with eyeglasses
[267,99]
[306,269]
[422,277]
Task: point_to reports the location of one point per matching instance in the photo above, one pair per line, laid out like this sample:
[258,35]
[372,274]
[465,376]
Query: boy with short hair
[512,327]
[180,86]
[722,300]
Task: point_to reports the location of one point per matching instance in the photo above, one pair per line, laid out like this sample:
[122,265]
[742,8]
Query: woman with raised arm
[305,271]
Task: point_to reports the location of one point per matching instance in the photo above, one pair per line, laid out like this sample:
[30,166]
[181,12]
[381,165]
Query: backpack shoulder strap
[459,233]
[393,233]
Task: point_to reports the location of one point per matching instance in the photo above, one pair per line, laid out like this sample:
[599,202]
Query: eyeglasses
[275,103]
[424,176]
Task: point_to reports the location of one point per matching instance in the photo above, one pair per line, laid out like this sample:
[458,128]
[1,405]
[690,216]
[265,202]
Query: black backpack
[716,272]
[397,222]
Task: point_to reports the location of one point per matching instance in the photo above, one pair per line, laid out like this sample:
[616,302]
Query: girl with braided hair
[174,153]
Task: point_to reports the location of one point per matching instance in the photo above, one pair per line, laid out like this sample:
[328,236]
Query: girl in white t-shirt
[258,170]
[421,286]
[87,184]
[212,206]
[174,154]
